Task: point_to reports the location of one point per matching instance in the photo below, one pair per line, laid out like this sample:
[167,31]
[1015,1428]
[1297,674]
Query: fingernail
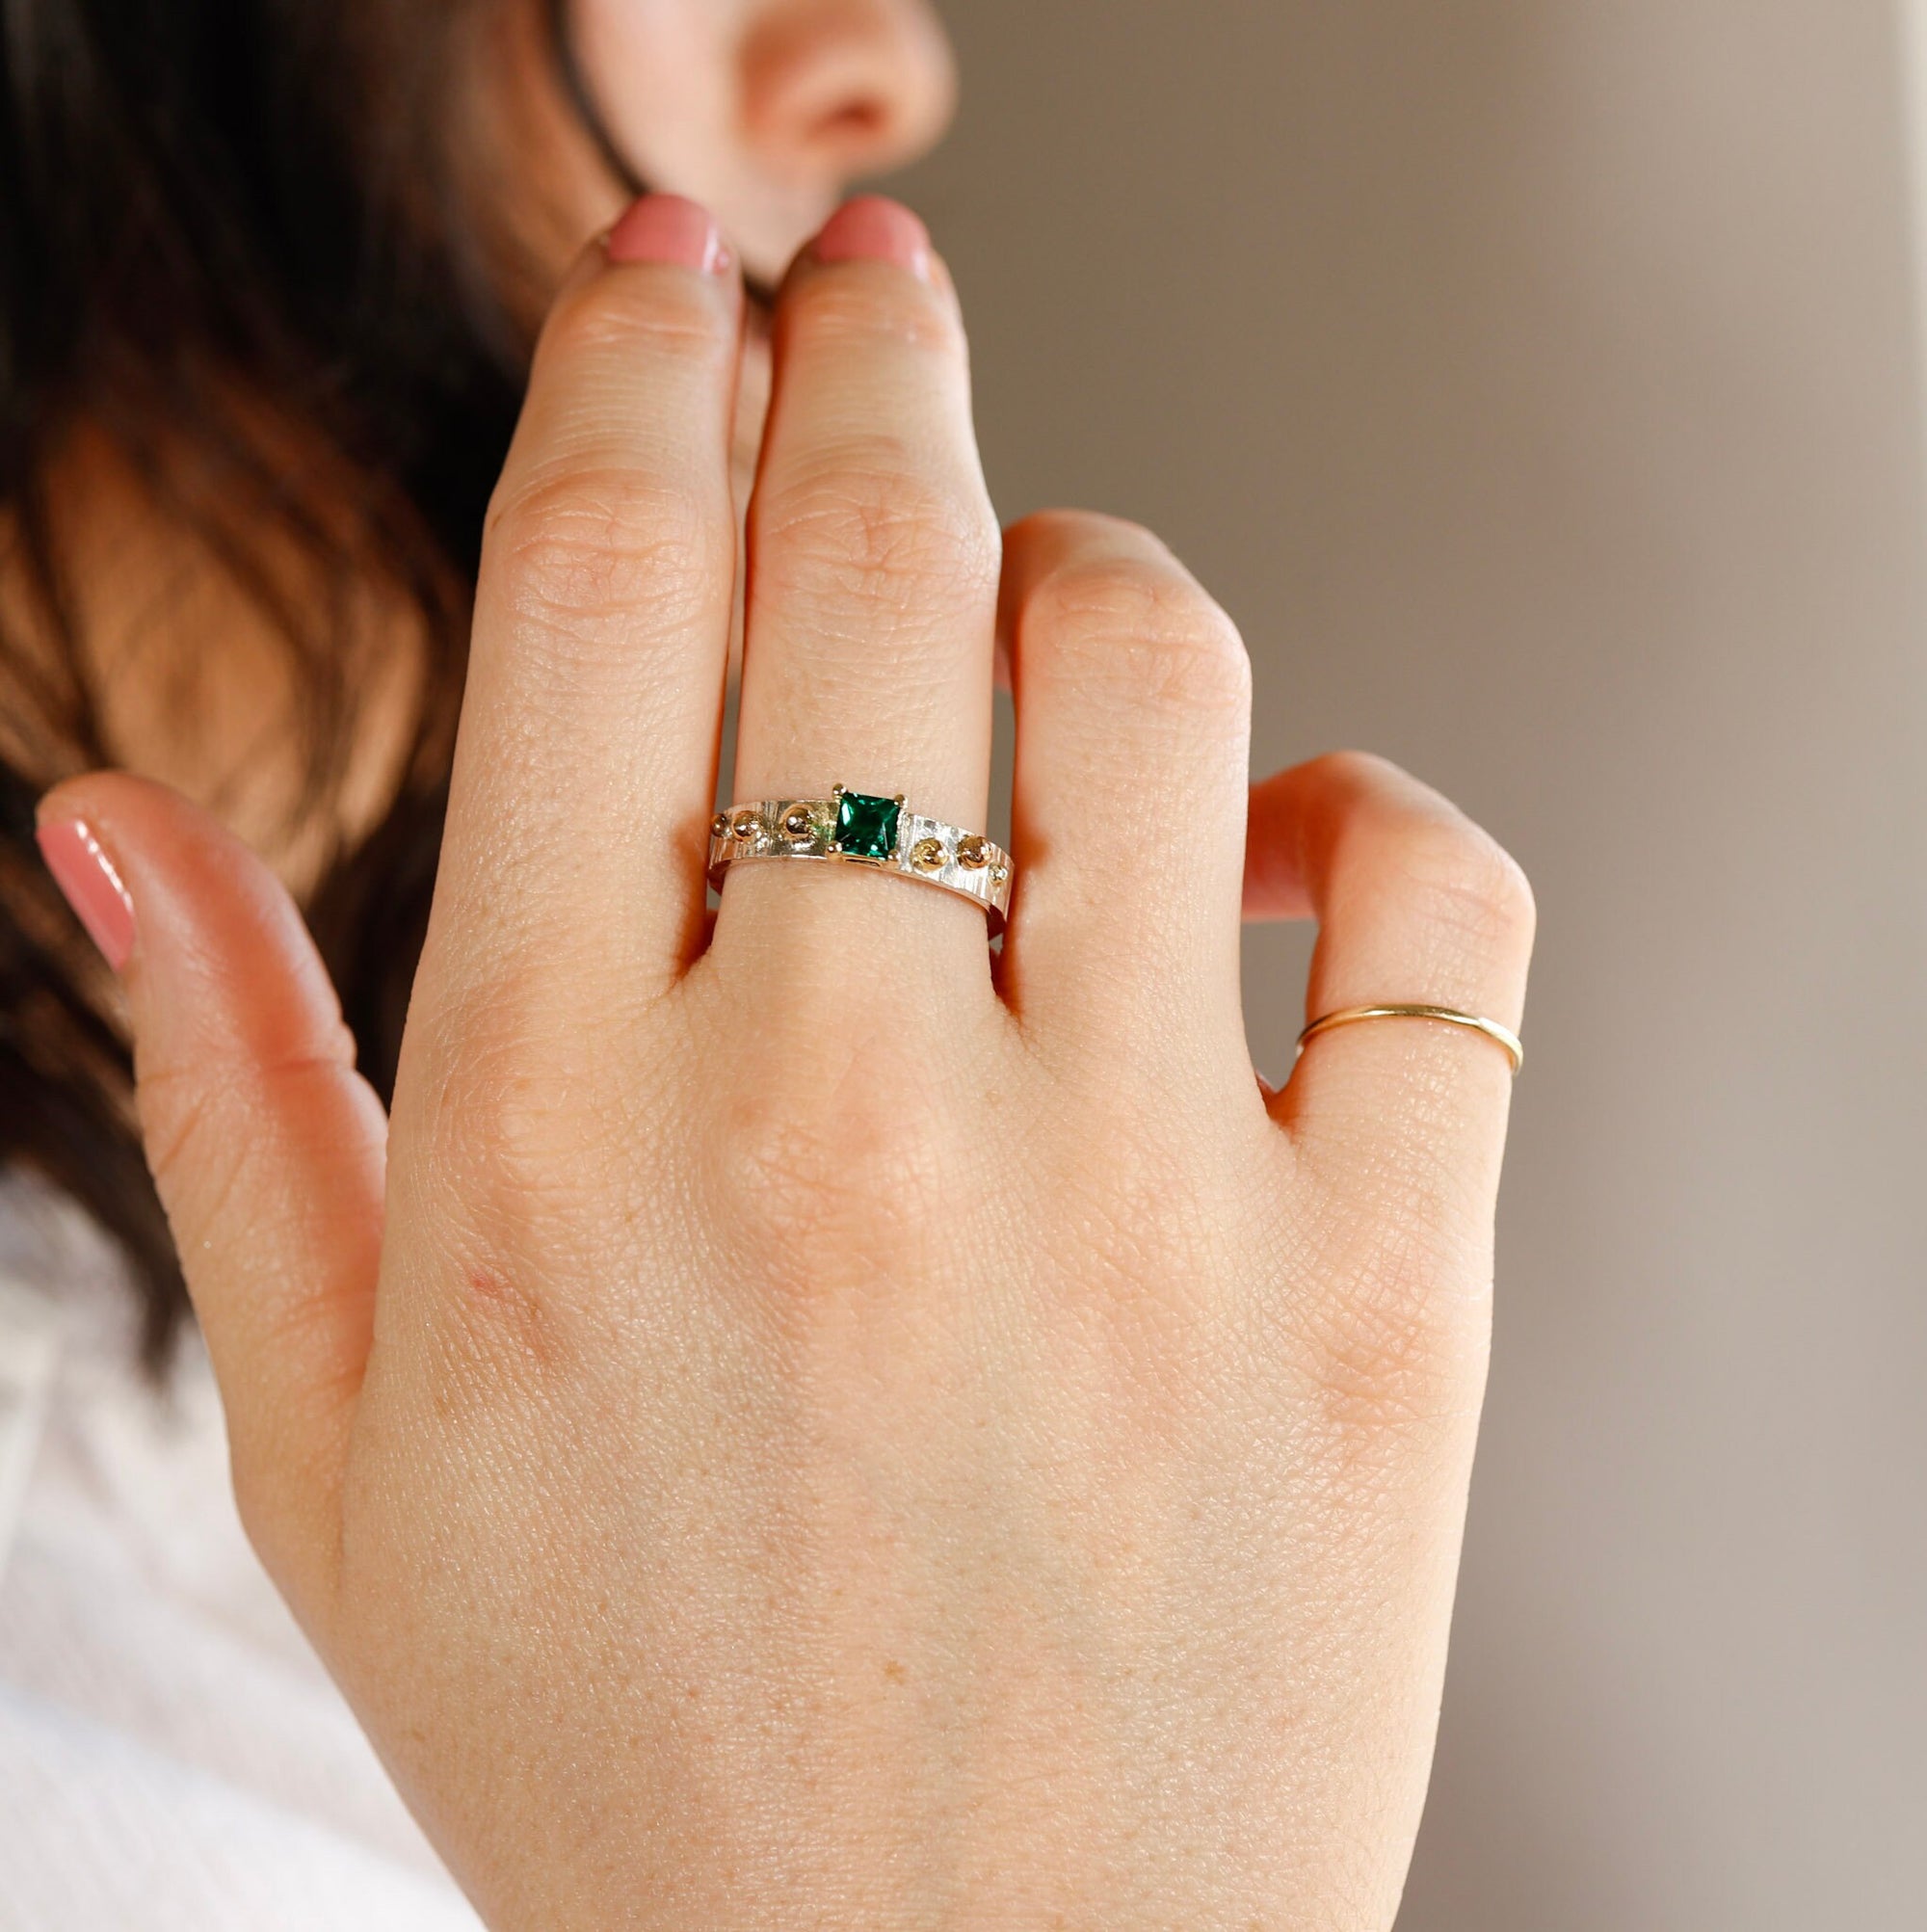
[91,886]
[666,229]
[875,229]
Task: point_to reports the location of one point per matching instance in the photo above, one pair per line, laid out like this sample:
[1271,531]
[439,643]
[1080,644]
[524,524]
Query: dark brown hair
[204,202]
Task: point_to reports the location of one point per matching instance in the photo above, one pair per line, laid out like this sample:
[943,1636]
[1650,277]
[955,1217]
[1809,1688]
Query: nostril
[844,85]
[855,120]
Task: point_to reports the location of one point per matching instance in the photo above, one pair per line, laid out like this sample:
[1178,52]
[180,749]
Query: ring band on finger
[866,829]
[1501,1036]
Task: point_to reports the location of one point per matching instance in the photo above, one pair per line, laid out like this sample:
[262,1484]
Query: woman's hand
[820,1425]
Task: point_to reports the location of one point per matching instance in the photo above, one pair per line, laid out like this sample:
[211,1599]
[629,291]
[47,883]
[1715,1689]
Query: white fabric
[172,1757]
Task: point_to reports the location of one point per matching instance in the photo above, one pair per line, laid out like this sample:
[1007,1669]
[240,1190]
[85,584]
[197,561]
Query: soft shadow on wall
[1534,384]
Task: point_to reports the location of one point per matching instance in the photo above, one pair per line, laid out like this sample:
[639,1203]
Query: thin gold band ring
[1503,1036]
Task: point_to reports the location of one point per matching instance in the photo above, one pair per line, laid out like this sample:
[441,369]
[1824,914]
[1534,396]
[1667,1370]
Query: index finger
[585,764]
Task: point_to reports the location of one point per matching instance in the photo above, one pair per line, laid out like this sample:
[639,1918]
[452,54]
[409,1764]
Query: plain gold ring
[1503,1036]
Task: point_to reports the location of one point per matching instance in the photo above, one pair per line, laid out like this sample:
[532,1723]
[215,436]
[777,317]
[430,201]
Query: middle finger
[873,563]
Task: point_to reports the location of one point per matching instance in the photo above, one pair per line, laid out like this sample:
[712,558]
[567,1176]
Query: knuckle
[1068,529]
[516,1170]
[1470,884]
[617,317]
[1399,1345]
[194,1164]
[847,308]
[1355,774]
[1146,624]
[1463,877]
[867,519]
[202,1125]
[793,1165]
[587,540]
[504,1123]
[799,1160]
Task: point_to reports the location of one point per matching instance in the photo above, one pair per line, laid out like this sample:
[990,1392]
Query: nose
[836,89]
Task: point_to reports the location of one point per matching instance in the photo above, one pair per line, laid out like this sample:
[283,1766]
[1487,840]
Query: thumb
[267,1147]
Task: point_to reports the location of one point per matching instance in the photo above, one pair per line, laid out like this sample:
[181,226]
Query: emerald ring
[854,828]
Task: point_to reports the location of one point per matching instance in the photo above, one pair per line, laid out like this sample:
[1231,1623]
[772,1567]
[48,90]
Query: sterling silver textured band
[865,828]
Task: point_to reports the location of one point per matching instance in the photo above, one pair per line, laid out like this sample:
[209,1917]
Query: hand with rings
[816,1420]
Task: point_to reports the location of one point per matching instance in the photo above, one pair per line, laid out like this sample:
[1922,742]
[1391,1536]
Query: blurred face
[765,111]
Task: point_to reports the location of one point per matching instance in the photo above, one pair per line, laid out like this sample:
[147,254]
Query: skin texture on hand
[811,1422]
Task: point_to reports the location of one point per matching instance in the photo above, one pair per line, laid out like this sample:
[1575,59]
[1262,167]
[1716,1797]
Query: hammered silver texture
[753,830]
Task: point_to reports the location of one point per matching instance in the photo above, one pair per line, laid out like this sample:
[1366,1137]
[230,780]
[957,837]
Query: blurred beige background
[1536,383]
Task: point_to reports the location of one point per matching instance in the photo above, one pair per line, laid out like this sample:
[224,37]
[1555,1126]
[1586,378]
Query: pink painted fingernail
[668,229]
[875,229]
[87,878]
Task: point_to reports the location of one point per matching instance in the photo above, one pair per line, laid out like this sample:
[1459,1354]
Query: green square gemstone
[866,828]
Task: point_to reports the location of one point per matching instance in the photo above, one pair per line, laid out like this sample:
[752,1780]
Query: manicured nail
[669,229]
[875,229]
[86,876]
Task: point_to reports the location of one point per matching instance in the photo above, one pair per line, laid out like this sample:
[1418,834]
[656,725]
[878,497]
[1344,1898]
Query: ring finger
[873,563]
